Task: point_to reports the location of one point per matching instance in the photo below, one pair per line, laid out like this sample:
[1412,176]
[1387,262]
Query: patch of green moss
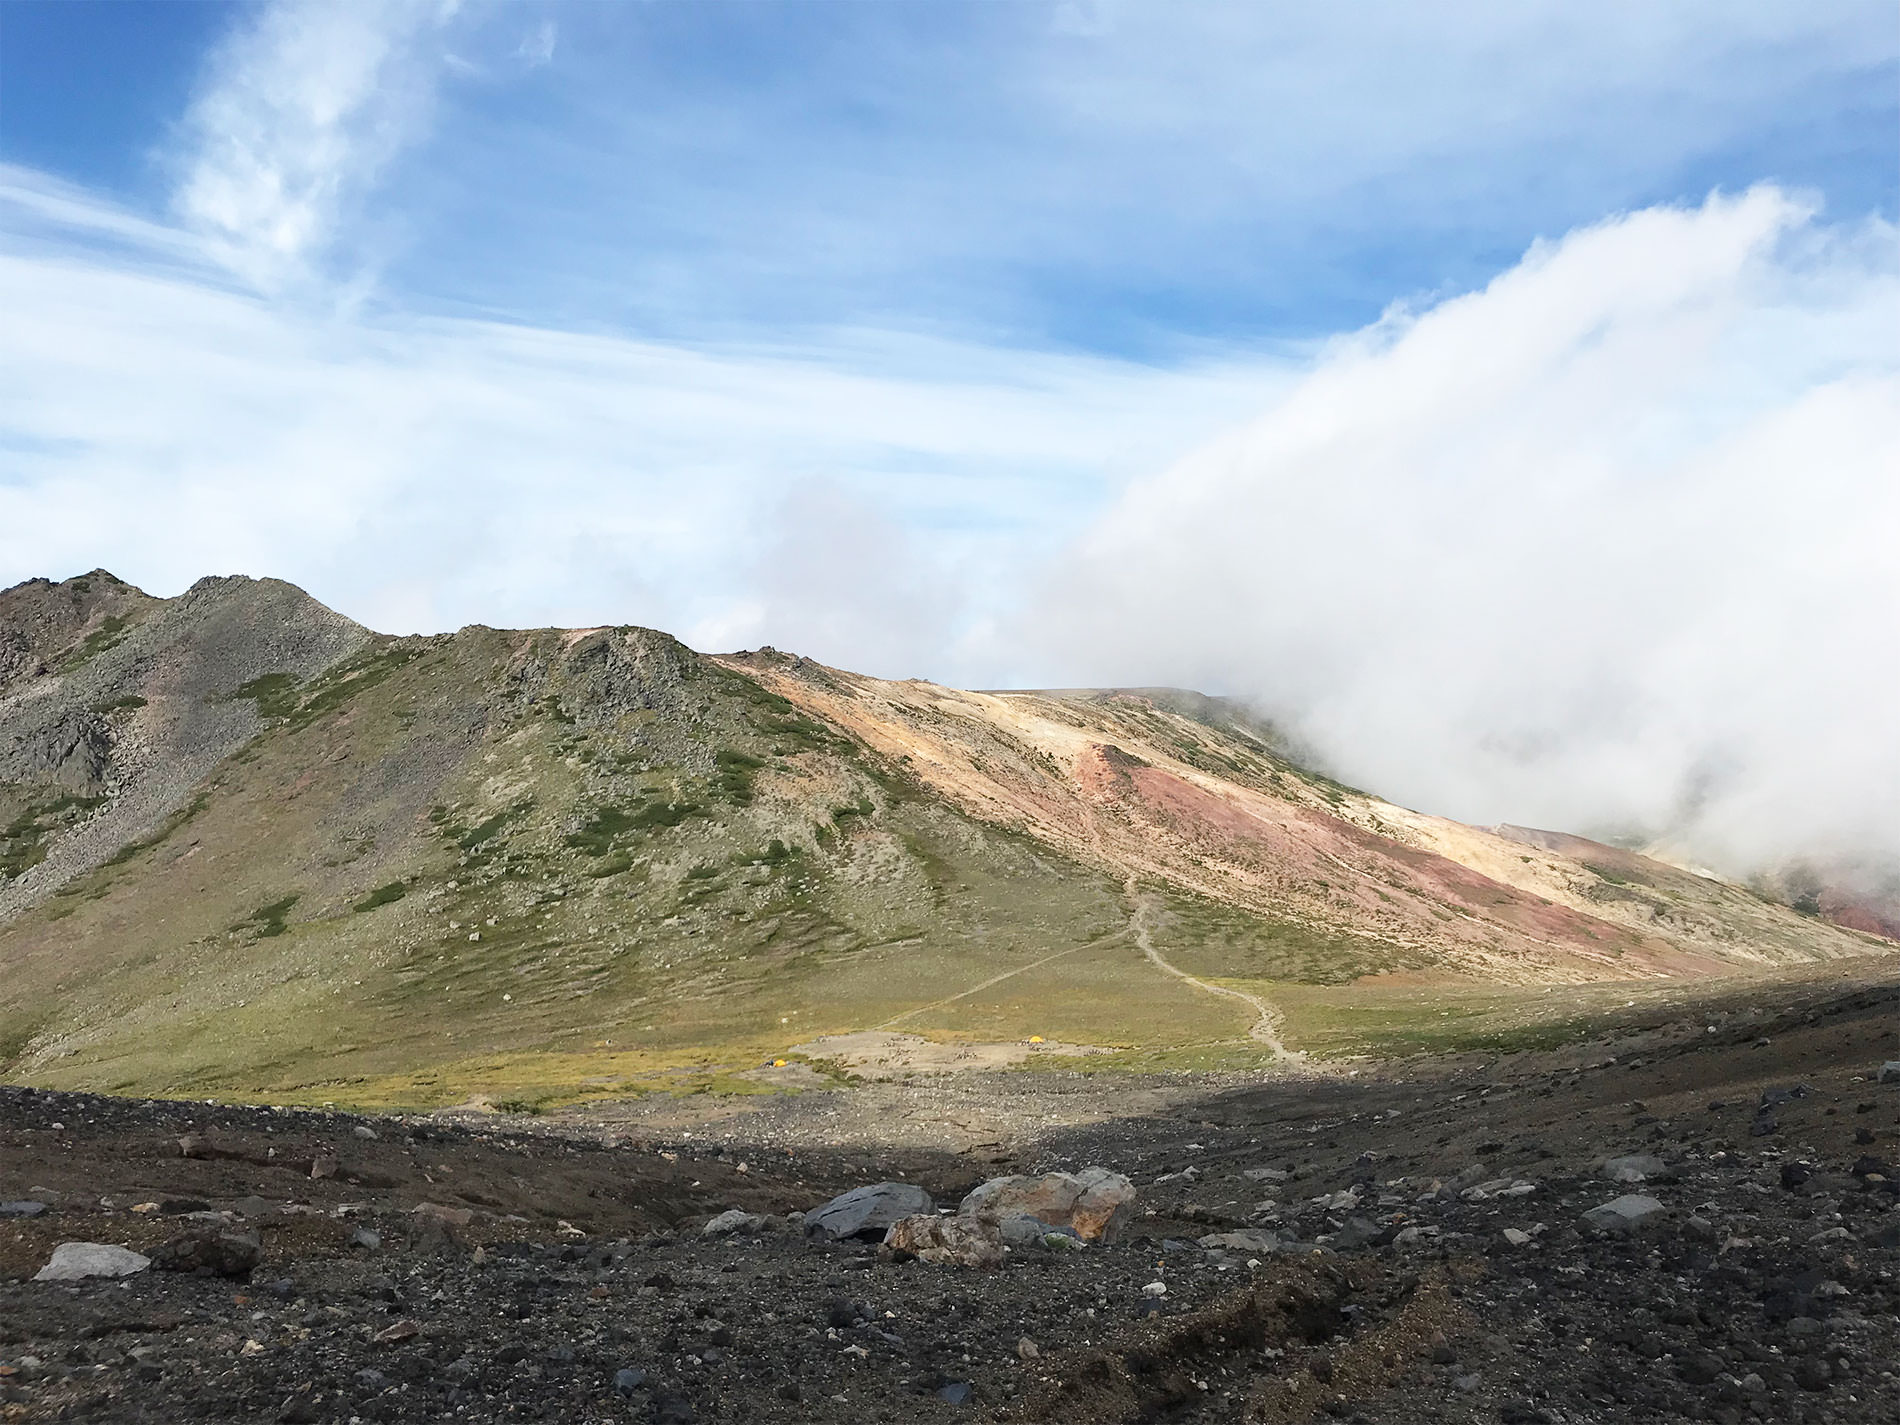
[171,824]
[274,693]
[483,831]
[736,771]
[382,895]
[110,634]
[597,834]
[1211,939]
[658,814]
[346,680]
[861,809]
[269,920]
[129,701]
[23,841]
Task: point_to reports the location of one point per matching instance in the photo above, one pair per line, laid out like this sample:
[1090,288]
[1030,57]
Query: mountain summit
[251,846]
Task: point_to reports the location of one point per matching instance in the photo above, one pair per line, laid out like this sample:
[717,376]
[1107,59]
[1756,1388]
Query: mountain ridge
[252,846]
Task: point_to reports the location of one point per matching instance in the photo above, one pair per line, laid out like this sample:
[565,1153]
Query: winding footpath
[1265,1029]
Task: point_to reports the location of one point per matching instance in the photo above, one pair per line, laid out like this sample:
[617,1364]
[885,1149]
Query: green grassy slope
[444,850]
[248,848]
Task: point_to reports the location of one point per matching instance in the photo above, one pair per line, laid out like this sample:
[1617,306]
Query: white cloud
[1609,541]
[537,46]
[422,473]
[296,113]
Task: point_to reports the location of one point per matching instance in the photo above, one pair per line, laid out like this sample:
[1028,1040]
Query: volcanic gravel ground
[581,1288]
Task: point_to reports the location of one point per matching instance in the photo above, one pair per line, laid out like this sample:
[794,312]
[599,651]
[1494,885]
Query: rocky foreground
[1697,1222]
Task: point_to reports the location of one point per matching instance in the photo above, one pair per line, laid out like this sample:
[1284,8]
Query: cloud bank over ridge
[1611,542]
[881,336]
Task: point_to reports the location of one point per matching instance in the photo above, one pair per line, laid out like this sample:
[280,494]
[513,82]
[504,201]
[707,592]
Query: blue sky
[1129,179]
[1000,342]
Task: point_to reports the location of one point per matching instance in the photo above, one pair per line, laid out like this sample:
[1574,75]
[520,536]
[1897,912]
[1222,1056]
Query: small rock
[1635,1168]
[1022,1230]
[842,1314]
[1813,1373]
[323,1165]
[1247,1240]
[365,1132]
[366,1239]
[732,1221]
[956,1392]
[1890,1072]
[1522,1412]
[453,1216]
[1624,1214]
[1026,1349]
[1155,1289]
[404,1330]
[209,1254]
[74,1261]
[1699,1368]
[24,1208]
[1516,1238]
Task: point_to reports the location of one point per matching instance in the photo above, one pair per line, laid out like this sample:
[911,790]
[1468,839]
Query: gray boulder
[1890,1072]
[23,1208]
[733,1221]
[868,1210]
[75,1261]
[1625,1214]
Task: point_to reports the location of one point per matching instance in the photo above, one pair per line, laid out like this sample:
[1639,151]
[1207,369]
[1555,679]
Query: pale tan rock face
[1094,1202]
[947,1241]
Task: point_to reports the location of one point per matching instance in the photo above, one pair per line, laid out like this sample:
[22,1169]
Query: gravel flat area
[1413,1242]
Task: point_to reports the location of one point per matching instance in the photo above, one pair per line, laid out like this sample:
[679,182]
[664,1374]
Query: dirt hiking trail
[1265,1029]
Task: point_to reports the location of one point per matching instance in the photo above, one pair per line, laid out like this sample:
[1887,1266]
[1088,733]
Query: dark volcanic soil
[580,1287]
